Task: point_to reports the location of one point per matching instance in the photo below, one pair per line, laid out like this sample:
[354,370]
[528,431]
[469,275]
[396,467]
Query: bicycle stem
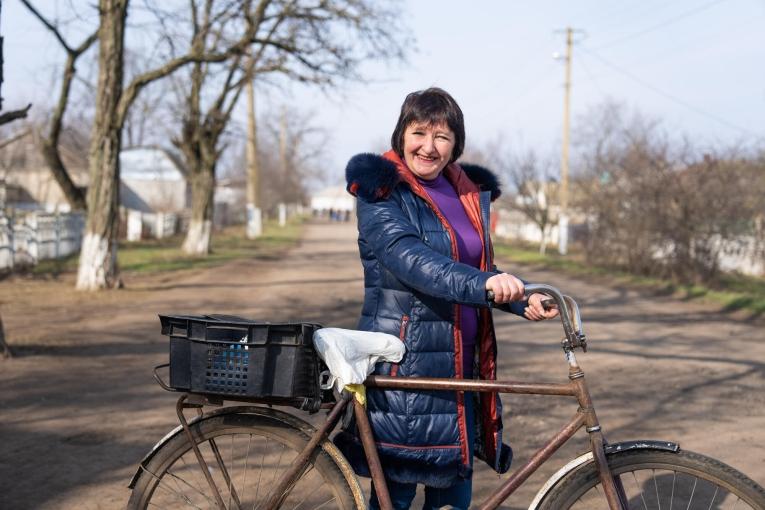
[569,315]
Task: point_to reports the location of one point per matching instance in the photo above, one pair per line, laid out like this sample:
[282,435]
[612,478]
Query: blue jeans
[457,496]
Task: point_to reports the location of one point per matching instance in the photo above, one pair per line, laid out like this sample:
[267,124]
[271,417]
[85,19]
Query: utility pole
[254,218]
[1,70]
[563,215]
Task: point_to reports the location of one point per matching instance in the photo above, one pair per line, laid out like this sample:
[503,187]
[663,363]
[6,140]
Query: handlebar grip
[549,304]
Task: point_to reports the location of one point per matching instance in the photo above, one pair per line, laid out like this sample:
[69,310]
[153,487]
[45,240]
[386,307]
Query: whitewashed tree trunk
[98,256]
[96,262]
[254,222]
[282,214]
[198,237]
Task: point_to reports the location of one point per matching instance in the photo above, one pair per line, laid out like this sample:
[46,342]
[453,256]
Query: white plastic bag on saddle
[351,355]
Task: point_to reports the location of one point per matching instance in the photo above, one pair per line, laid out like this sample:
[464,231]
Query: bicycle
[205,462]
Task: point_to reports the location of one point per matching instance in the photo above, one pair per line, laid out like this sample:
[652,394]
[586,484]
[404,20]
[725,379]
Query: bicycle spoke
[672,496]
[307,493]
[161,483]
[693,491]
[276,471]
[325,503]
[246,459]
[182,495]
[639,490]
[230,477]
[713,498]
[260,476]
[656,486]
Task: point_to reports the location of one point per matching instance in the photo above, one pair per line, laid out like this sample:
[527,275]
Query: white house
[334,198]
[152,181]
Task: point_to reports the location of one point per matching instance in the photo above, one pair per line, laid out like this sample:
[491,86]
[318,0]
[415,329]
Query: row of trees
[650,203]
[211,50]
[662,206]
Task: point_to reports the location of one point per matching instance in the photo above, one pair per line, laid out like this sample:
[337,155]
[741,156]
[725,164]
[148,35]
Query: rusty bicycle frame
[576,387]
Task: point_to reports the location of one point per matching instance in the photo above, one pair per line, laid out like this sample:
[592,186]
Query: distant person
[424,243]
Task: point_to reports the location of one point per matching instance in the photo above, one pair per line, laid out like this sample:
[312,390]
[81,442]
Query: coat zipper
[401,335]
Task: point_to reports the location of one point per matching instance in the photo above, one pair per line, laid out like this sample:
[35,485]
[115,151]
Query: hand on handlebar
[538,309]
[505,288]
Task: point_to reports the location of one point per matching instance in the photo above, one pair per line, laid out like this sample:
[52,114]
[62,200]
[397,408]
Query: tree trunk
[98,256]
[254,220]
[73,194]
[198,238]
[5,351]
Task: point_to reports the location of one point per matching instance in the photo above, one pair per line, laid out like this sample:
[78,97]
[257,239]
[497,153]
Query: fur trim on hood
[372,177]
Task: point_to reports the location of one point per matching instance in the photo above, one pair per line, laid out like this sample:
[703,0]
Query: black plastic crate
[244,359]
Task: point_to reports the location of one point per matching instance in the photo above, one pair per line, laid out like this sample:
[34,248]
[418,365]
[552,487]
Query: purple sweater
[469,248]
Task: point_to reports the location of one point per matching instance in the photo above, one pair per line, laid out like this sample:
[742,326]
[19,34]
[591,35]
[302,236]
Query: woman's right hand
[505,287]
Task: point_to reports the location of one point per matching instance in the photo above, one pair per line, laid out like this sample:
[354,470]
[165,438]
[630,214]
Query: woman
[424,244]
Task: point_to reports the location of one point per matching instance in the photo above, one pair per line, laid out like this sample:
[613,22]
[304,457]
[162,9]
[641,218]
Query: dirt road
[78,406]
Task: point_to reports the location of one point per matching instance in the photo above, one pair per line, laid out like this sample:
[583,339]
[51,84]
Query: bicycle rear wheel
[253,452]
[659,480]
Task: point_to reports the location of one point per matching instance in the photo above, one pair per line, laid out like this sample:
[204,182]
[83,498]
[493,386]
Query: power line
[590,75]
[668,95]
[660,25]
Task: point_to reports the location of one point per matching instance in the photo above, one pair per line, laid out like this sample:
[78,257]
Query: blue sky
[699,66]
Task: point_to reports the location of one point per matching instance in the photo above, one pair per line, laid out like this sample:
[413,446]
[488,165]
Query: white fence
[741,255]
[141,225]
[39,236]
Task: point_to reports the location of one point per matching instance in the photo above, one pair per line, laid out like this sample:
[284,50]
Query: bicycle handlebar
[568,310]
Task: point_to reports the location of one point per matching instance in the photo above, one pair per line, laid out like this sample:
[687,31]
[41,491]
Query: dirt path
[78,406]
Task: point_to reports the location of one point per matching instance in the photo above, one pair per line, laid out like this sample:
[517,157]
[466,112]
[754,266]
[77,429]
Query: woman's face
[427,149]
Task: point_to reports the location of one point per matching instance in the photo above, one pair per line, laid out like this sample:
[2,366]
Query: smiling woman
[427,149]
[430,132]
[424,244]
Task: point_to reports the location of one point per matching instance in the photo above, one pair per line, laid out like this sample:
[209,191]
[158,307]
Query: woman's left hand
[536,312]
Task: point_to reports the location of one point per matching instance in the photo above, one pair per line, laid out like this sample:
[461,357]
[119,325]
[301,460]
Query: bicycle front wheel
[246,455]
[659,480]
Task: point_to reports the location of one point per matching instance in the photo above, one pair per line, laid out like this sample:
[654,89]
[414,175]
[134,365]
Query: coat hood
[372,177]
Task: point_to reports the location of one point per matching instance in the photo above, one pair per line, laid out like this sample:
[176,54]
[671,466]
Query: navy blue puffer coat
[414,287]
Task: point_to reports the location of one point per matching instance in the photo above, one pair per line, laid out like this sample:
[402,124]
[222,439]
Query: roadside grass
[158,255]
[733,292]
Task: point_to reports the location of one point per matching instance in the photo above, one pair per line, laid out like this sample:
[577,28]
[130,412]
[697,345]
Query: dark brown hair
[431,107]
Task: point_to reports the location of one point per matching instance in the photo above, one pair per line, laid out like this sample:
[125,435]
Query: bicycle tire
[256,449]
[659,480]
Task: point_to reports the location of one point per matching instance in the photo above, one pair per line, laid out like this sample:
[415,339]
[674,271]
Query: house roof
[149,164]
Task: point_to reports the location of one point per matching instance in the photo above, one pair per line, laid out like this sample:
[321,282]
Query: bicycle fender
[287,418]
[585,458]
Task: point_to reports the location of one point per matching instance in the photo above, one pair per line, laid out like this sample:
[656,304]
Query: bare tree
[201,131]
[293,149]
[5,118]
[536,192]
[98,261]
[49,146]
[660,206]
[534,188]
[295,39]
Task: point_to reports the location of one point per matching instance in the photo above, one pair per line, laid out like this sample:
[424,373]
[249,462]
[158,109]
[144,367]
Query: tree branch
[14,138]
[12,115]
[48,24]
